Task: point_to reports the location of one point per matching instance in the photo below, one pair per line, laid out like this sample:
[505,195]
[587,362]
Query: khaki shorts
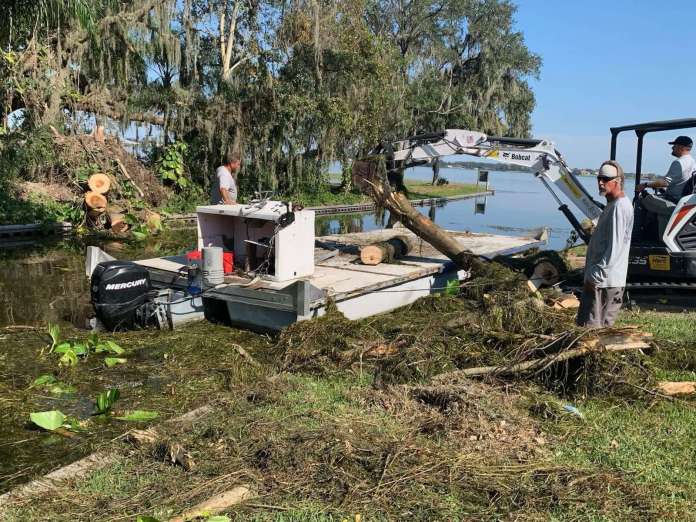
[599,307]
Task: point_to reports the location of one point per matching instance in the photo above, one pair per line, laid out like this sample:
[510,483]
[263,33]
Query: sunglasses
[605,179]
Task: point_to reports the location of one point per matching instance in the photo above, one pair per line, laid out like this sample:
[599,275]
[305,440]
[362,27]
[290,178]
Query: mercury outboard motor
[121,294]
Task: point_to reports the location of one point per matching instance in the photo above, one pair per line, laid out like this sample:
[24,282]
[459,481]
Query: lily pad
[43,380]
[48,420]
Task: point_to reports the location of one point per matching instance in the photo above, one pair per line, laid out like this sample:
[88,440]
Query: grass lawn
[423,189]
[651,440]
[417,190]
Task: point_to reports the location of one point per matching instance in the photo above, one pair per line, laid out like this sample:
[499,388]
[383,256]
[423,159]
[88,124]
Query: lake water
[47,283]
[521,205]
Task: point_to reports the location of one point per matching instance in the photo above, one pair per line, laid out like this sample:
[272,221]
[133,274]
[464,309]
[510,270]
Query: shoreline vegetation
[46,210]
[337,418]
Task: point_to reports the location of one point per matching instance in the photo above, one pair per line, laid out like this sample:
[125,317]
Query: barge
[283,273]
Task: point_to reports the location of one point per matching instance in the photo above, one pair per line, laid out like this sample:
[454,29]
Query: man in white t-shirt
[673,182]
[224,186]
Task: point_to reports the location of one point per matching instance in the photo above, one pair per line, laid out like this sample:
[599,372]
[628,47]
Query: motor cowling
[120,292]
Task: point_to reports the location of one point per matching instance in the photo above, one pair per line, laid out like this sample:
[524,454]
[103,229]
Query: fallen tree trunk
[606,343]
[370,177]
[385,251]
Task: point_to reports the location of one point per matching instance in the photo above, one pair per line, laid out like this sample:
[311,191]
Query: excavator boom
[538,155]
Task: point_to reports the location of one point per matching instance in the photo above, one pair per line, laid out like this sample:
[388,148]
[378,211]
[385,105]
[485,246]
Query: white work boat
[292,275]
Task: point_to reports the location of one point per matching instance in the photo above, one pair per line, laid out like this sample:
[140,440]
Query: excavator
[656,262]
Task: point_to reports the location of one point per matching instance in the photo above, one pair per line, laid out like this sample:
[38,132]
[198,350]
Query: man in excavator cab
[673,186]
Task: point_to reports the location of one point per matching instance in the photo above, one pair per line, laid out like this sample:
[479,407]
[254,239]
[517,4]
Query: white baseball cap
[608,171]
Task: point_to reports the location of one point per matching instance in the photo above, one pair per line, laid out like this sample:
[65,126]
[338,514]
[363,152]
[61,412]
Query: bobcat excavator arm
[538,155]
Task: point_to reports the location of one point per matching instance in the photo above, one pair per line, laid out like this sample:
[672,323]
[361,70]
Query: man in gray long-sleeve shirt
[606,262]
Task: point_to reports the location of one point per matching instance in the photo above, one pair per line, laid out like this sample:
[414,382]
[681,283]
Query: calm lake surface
[521,205]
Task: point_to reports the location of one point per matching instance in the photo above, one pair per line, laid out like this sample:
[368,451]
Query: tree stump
[118,223]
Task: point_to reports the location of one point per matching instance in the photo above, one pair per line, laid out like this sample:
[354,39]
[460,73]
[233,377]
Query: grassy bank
[417,190]
[336,418]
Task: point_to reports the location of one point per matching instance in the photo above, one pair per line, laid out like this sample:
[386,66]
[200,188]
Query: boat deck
[359,290]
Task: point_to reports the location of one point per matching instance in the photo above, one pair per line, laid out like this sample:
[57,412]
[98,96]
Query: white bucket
[213,270]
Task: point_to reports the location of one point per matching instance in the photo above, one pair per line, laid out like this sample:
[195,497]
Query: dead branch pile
[128,175]
[97,172]
[494,328]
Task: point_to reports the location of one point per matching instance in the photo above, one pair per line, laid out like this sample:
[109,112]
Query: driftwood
[385,251]
[370,177]
[604,343]
[218,503]
[676,388]
[99,183]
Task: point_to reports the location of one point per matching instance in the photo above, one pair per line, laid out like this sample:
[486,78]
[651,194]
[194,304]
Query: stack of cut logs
[103,214]
[99,213]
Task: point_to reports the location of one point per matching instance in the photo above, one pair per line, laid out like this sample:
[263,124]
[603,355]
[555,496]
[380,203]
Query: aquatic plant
[50,383]
[105,400]
[48,420]
[139,416]
[113,361]
[54,332]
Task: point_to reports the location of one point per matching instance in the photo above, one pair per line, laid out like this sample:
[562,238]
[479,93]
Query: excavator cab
[662,255]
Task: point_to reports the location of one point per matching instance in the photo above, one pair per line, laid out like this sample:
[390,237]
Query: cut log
[99,183]
[217,504]
[118,223]
[370,177]
[676,388]
[545,274]
[566,302]
[94,200]
[385,251]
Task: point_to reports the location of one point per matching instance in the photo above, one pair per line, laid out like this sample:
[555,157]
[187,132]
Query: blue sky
[609,63]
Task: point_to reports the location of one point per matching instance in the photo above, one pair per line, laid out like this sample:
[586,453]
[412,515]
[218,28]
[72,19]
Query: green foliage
[302,89]
[107,346]
[170,167]
[71,352]
[50,383]
[48,420]
[113,361]
[44,380]
[452,288]
[54,332]
[139,416]
[105,400]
